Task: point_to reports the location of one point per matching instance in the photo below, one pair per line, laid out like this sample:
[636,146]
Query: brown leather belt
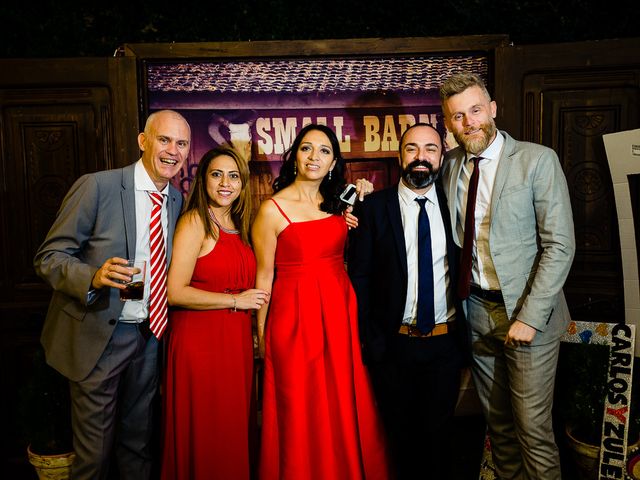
[439,329]
[491,295]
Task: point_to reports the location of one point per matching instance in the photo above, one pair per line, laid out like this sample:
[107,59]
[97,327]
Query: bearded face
[420,174]
[476,139]
[469,116]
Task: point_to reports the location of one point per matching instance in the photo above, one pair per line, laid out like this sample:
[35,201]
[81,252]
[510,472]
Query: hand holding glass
[134,290]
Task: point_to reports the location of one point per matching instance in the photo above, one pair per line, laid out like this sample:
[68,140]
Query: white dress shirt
[138,310]
[483,272]
[443,305]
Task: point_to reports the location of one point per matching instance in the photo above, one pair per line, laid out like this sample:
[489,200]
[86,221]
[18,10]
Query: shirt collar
[142,181]
[408,196]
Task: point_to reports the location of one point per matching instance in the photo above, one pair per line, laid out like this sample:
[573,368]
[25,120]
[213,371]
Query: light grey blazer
[96,221]
[531,237]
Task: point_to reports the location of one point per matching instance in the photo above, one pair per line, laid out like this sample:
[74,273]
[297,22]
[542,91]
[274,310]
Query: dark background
[65,28]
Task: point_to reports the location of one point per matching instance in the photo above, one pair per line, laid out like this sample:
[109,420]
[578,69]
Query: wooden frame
[290,48]
[368,90]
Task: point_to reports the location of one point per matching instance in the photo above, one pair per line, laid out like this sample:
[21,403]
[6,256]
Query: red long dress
[319,417]
[209,375]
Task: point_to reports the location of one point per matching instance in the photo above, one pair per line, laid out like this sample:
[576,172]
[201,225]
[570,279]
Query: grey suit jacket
[531,237]
[96,221]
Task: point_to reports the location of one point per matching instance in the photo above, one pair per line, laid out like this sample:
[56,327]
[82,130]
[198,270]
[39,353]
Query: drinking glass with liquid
[134,290]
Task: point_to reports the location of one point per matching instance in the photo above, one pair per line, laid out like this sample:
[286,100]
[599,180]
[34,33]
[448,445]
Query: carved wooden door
[566,96]
[59,119]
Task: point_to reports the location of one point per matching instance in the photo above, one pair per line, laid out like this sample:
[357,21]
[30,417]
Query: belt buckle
[414,331]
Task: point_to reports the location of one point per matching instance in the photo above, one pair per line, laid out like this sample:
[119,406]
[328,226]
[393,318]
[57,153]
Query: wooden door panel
[566,96]
[59,119]
[48,148]
[574,127]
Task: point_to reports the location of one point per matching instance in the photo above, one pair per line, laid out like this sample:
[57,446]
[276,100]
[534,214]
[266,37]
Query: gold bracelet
[234,303]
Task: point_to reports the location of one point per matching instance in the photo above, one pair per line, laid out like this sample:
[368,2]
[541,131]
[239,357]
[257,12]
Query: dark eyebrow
[322,145]
[426,144]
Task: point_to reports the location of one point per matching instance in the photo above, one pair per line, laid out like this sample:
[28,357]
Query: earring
[295,169]
[329,174]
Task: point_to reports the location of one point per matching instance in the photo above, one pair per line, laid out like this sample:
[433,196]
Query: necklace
[225,230]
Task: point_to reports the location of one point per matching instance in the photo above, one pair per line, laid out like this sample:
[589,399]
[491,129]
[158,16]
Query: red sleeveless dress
[208,408]
[319,417]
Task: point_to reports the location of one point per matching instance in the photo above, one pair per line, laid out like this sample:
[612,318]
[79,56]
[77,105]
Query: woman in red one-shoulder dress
[319,415]
[207,414]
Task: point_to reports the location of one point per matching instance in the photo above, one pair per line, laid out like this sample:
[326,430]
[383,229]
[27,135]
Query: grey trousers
[111,409]
[515,386]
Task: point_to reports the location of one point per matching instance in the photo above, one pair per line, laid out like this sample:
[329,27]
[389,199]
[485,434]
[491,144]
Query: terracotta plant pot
[52,467]
[587,458]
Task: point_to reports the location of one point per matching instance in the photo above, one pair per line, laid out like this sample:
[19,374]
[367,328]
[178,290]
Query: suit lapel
[444,212]
[128,199]
[457,160]
[502,173]
[395,219]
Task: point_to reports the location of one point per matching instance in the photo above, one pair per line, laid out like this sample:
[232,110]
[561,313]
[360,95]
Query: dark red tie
[464,280]
[158,309]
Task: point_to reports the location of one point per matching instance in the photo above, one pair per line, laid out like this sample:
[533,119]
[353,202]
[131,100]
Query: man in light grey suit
[100,343]
[521,242]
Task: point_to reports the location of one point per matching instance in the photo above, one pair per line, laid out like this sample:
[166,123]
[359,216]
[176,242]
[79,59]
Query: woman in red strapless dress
[319,415]
[208,394]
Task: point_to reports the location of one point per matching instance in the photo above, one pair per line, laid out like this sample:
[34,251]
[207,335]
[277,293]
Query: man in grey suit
[520,244]
[100,343]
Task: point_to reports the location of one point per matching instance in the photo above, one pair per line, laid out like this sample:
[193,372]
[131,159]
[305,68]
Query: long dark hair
[198,199]
[330,189]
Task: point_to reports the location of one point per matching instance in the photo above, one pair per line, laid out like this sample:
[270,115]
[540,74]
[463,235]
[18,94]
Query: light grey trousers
[515,386]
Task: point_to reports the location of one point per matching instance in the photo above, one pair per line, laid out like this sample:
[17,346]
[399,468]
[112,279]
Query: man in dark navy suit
[410,324]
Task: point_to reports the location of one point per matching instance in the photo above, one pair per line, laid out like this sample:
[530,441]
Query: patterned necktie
[426,316]
[158,310]
[464,280]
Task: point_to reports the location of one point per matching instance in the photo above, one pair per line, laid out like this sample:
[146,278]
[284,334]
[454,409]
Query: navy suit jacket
[377,265]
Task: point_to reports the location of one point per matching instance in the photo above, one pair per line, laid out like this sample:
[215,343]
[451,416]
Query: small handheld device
[349,194]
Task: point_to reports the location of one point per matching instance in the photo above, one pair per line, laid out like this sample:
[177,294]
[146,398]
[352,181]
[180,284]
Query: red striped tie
[158,311]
